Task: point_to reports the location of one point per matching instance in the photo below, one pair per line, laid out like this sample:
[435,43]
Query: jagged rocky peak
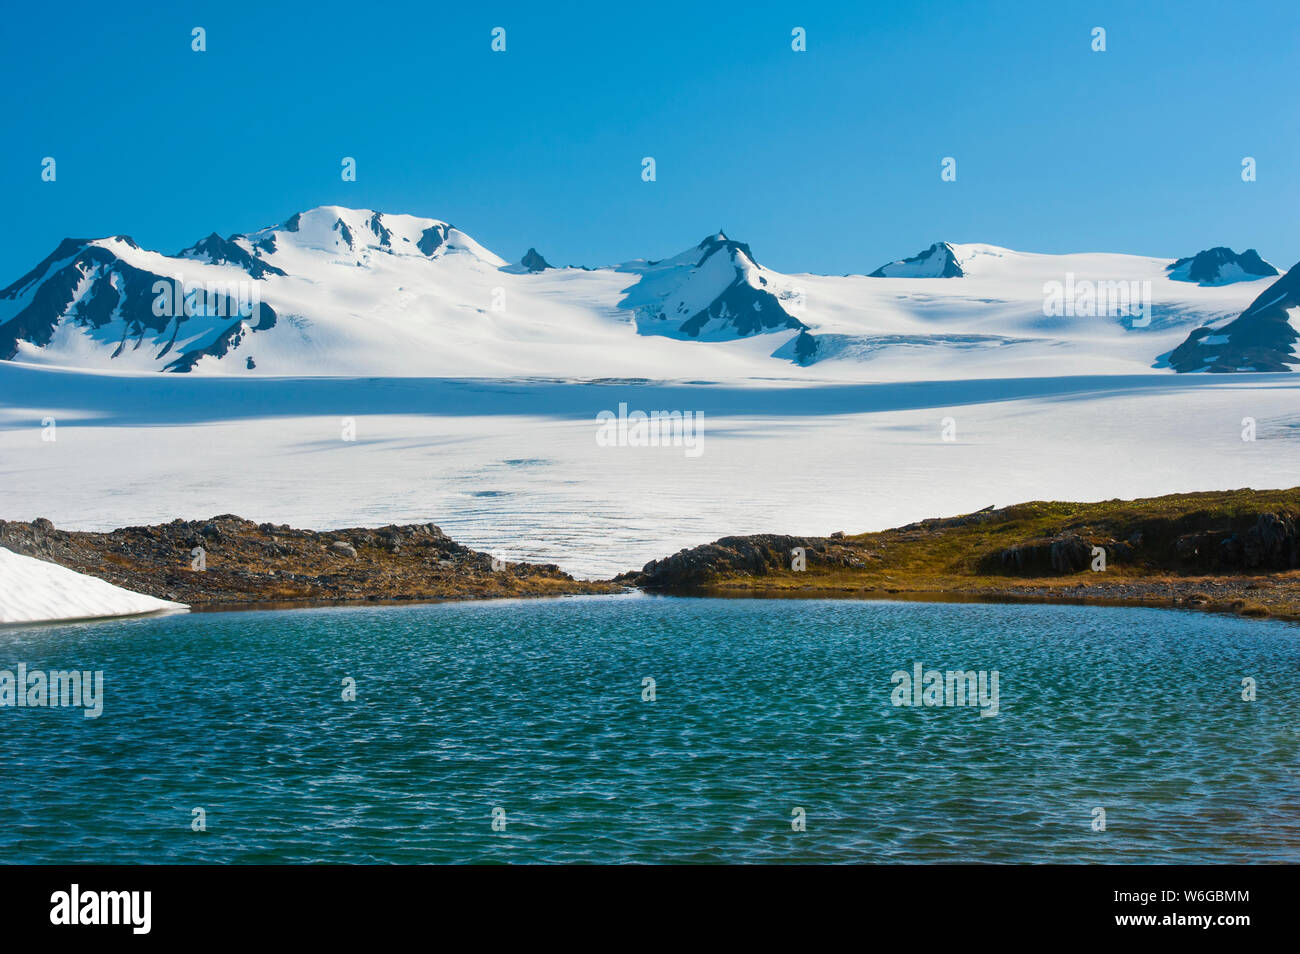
[68,248]
[83,280]
[102,298]
[719,242]
[534,262]
[209,248]
[1220,266]
[937,261]
[236,250]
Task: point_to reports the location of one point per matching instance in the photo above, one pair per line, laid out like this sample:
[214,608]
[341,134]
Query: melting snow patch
[33,591]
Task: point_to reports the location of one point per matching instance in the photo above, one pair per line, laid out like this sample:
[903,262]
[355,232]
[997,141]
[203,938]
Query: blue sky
[825,161]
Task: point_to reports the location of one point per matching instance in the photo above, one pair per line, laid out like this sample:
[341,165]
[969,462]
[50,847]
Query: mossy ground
[957,557]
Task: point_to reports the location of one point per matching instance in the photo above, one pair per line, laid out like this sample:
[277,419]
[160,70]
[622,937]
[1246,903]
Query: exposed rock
[269,563]
[1221,551]
[534,262]
[1270,543]
[668,296]
[219,251]
[937,261]
[1217,266]
[1066,553]
[757,555]
[1262,338]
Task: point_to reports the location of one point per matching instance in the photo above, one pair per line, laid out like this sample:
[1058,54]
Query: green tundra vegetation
[1232,550]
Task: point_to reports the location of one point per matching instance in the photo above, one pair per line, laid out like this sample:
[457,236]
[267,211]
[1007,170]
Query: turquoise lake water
[761,707]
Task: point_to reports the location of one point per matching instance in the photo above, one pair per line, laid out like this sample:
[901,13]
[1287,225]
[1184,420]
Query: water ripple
[761,708]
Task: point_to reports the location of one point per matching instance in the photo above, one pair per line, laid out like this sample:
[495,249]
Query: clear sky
[826,160]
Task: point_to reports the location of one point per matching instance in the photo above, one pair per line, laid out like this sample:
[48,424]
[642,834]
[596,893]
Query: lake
[529,731]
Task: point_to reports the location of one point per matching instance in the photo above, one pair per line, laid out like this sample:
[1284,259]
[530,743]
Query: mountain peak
[719,295]
[534,262]
[236,250]
[358,233]
[937,261]
[1220,266]
[719,241]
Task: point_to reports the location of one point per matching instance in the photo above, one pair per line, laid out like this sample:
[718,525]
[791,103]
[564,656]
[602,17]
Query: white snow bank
[32,591]
[513,468]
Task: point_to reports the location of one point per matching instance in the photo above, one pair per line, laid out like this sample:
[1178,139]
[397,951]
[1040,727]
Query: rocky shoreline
[1234,551]
[230,562]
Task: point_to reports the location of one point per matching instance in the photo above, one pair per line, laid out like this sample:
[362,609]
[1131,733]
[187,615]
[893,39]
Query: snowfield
[35,591]
[513,467]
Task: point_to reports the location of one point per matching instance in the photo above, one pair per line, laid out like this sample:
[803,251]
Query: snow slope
[32,591]
[514,468]
[337,291]
[991,321]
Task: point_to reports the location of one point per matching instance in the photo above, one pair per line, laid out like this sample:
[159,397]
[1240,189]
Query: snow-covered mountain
[1009,314]
[1261,338]
[101,296]
[713,292]
[1220,265]
[92,301]
[337,291]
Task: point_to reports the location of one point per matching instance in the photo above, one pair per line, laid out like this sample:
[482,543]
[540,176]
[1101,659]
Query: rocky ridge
[230,560]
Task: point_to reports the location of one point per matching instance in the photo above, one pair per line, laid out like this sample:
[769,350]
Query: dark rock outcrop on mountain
[534,262]
[433,238]
[806,347]
[66,249]
[1215,266]
[747,309]
[719,242]
[244,562]
[218,251]
[379,230]
[937,261]
[262,319]
[1262,338]
[718,269]
[97,280]
[86,284]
